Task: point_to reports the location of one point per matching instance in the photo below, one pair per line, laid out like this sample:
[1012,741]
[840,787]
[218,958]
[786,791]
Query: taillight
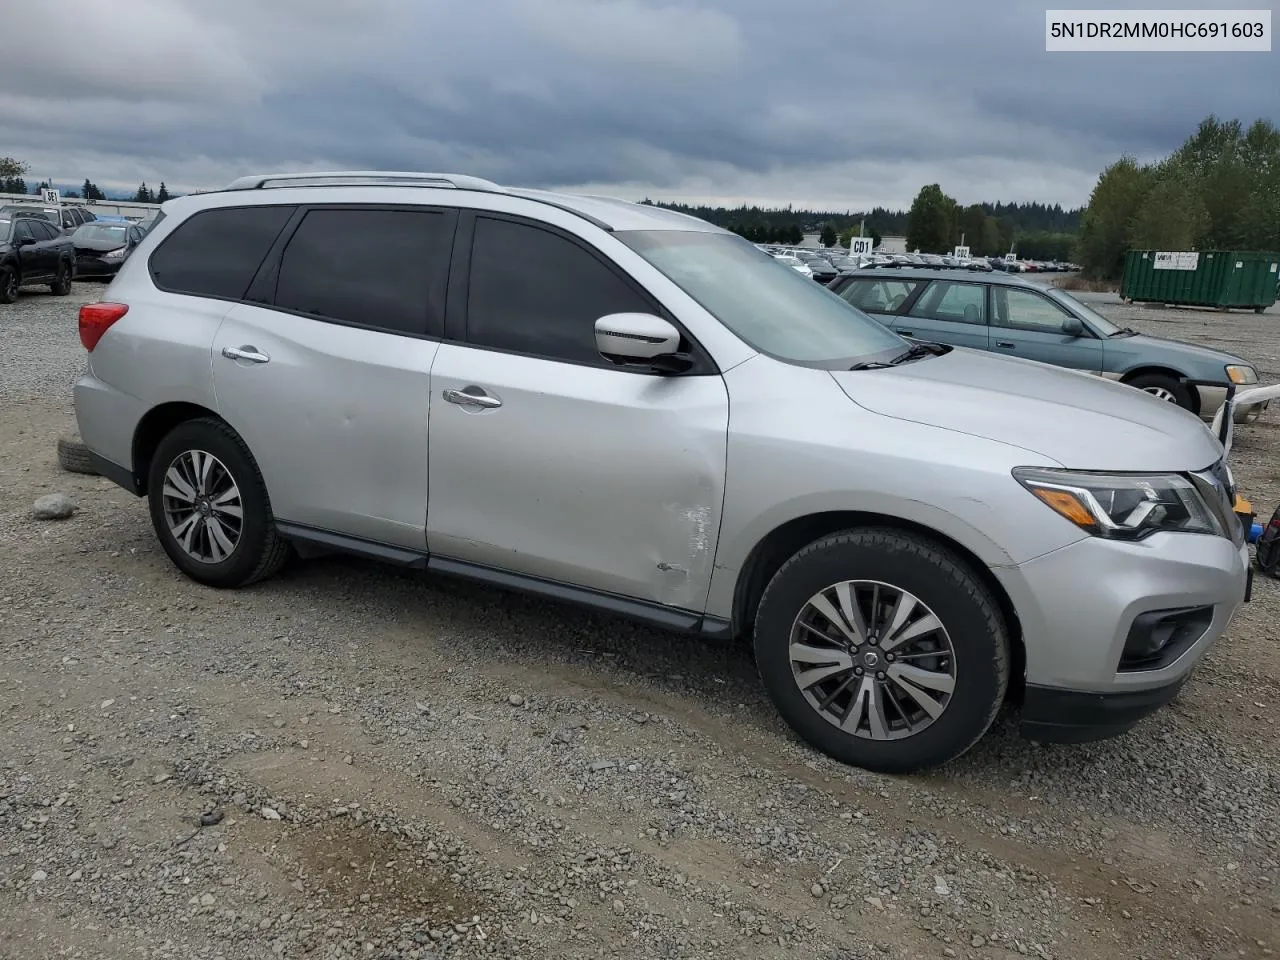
[96,319]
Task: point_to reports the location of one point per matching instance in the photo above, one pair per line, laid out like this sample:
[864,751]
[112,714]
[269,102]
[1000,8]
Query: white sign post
[961,253]
[52,196]
[860,245]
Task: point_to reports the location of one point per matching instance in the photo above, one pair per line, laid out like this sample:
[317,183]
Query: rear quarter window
[215,253]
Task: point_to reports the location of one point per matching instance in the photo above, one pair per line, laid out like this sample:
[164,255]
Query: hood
[1142,346]
[98,245]
[1081,421]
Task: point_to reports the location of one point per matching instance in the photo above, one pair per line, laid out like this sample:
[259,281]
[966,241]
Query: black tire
[73,456]
[1166,387]
[260,551]
[61,285]
[8,285]
[938,578]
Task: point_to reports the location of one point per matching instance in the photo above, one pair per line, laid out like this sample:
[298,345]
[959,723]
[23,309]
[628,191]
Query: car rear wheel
[883,650]
[61,285]
[8,285]
[1164,387]
[210,508]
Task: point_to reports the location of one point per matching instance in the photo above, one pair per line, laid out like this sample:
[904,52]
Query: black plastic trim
[326,541]
[316,542]
[669,618]
[1187,626]
[1055,715]
[121,476]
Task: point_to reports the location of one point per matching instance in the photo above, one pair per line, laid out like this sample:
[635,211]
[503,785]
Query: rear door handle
[467,399]
[245,353]
[1004,343]
[907,333]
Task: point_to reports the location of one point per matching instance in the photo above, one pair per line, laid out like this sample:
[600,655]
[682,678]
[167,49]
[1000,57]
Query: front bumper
[1078,605]
[1212,399]
[90,267]
[1050,715]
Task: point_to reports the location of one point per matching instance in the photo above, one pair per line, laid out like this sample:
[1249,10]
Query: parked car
[33,251]
[102,247]
[901,557]
[1017,317]
[65,217]
[795,263]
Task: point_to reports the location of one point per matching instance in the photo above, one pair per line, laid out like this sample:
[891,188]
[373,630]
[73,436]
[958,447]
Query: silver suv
[629,408]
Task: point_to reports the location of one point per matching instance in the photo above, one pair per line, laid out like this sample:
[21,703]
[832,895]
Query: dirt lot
[389,766]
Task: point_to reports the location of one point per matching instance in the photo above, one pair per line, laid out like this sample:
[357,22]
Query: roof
[935,273]
[606,212]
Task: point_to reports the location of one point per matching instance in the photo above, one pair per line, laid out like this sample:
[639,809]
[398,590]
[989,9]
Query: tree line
[936,223]
[13,180]
[1037,224]
[1219,191]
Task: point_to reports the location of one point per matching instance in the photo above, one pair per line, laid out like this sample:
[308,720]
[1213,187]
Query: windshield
[109,232]
[773,307]
[1101,324]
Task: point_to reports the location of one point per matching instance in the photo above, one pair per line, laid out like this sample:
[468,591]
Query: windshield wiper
[917,350]
[1125,332]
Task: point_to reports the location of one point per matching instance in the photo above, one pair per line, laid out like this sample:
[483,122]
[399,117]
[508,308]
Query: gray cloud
[829,103]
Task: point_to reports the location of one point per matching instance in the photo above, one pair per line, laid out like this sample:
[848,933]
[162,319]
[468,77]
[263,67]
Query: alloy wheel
[202,506]
[1161,393]
[872,659]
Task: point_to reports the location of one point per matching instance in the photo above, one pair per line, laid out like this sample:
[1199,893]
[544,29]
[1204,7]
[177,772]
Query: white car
[794,263]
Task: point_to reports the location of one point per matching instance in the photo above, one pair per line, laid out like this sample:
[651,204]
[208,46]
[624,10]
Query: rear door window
[954,302]
[215,253]
[384,269]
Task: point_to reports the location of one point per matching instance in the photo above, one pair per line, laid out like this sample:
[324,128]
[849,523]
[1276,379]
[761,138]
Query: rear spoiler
[1224,420]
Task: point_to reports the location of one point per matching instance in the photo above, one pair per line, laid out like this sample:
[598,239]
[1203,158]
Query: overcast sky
[836,104]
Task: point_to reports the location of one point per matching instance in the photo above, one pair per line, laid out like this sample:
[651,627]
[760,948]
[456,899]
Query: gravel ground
[351,761]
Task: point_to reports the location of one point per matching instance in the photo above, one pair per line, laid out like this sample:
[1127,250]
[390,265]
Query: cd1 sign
[860,245]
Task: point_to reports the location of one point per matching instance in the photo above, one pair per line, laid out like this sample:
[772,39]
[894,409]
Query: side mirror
[26,241]
[643,340]
[1072,327]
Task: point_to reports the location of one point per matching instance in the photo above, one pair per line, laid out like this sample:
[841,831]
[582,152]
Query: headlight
[1241,373]
[1122,506]
[117,254]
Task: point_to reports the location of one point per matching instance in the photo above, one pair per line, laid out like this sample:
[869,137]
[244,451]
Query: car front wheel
[8,285]
[209,506]
[61,285]
[1164,387]
[883,649]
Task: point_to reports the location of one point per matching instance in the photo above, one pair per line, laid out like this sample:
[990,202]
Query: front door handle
[907,333]
[245,353]
[1004,343]
[465,399]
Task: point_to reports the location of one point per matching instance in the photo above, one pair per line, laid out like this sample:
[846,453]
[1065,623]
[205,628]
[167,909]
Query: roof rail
[367,178]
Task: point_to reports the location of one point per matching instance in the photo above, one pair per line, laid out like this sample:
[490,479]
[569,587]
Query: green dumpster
[1205,278]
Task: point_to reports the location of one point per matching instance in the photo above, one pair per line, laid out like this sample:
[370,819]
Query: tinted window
[1025,310]
[215,253]
[957,302]
[876,295]
[536,292]
[45,231]
[376,268]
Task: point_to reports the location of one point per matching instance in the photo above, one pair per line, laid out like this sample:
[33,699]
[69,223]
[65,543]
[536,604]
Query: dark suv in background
[33,250]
